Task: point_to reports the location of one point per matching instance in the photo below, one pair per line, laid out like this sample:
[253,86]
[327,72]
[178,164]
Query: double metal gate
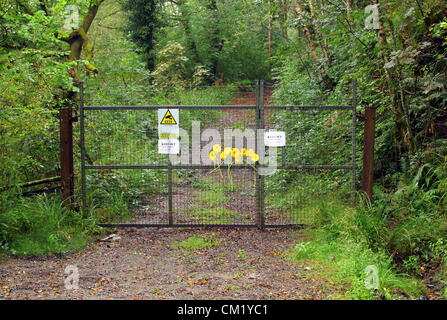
[119,153]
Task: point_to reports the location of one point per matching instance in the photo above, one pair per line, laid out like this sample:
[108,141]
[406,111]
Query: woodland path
[246,264]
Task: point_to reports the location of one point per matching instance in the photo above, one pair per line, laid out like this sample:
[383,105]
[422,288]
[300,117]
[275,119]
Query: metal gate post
[82,138]
[170,211]
[66,155]
[259,178]
[354,137]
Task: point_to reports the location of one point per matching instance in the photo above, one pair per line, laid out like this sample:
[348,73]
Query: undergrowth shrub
[347,240]
[401,231]
[415,212]
[41,225]
[114,209]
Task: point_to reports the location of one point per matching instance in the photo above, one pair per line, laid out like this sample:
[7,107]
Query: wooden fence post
[66,155]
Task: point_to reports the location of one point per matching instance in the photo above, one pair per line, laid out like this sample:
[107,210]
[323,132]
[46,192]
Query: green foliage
[311,49]
[412,265]
[195,243]
[110,138]
[213,198]
[242,255]
[40,225]
[113,208]
[171,68]
[407,225]
[142,25]
[33,79]
[340,244]
[218,39]
[216,215]
[416,211]
[401,71]
[415,60]
[244,54]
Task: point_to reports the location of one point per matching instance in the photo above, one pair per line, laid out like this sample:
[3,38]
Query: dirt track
[247,264]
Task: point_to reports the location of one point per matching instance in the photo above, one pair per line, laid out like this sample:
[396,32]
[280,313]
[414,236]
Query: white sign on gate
[275,139]
[168,146]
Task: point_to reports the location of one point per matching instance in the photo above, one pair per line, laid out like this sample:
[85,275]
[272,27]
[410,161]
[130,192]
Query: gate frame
[259,108]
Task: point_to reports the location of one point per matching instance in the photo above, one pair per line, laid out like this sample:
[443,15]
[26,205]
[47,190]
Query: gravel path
[247,264]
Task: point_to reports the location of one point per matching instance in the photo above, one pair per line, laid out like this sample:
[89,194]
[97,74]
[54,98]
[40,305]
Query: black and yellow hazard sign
[168,118]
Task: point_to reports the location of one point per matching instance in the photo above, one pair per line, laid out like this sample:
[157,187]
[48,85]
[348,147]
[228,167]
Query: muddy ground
[143,264]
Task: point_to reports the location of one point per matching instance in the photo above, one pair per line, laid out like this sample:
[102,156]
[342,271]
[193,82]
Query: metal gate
[119,143]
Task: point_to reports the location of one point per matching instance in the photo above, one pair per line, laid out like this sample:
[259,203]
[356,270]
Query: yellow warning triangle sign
[168,118]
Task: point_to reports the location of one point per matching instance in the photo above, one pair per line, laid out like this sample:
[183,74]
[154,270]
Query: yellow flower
[227,151]
[251,152]
[235,152]
[223,156]
[238,159]
[255,157]
[217,148]
[244,152]
[212,156]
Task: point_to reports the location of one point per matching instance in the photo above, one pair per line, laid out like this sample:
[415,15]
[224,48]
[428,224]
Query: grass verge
[41,225]
[338,249]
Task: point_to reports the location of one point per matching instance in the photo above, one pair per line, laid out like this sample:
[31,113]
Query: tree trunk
[76,40]
[216,43]
[310,33]
[283,15]
[270,29]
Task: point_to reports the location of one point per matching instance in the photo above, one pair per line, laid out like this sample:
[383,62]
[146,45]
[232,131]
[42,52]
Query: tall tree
[78,38]
[142,24]
[217,43]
